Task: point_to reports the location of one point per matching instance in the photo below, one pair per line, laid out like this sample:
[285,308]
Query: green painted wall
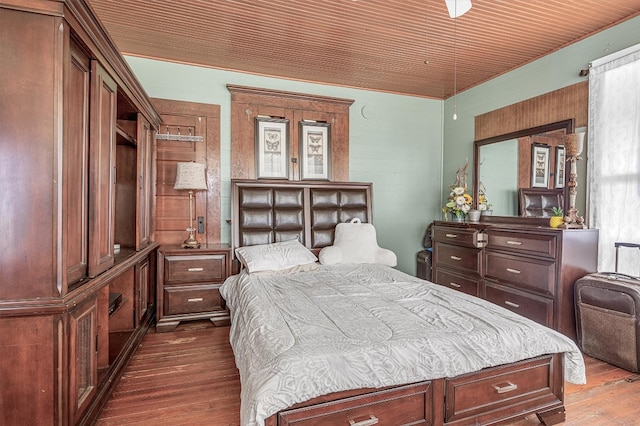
[552,72]
[409,147]
[398,146]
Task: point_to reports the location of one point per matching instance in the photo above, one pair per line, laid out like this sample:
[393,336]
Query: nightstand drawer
[192,299]
[195,268]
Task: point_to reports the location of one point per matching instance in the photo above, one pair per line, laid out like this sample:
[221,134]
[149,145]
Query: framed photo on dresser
[560,161]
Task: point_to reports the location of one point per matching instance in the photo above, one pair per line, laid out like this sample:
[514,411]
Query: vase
[455,218]
[474,215]
[487,212]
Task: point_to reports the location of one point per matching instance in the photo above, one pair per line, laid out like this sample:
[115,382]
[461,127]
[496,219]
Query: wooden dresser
[530,270]
[188,284]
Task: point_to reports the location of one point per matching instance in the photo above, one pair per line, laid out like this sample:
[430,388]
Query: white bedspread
[342,327]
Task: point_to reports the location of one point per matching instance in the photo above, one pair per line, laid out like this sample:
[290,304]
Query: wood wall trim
[568,102]
[240,92]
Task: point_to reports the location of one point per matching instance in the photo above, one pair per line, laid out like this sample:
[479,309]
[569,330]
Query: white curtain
[614,157]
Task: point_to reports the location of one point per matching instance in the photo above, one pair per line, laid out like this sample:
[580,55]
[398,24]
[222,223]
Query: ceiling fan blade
[458,7]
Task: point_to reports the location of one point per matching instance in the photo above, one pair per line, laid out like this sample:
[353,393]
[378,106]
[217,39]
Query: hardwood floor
[188,377]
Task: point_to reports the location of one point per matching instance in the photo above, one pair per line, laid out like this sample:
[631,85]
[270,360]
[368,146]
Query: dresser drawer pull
[372,420]
[451,235]
[514,243]
[514,271]
[513,305]
[507,387]
[455,285]
[456,258]
[195,299]
[195,269]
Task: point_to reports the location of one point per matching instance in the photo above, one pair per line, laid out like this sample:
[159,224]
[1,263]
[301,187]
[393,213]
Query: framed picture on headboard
[539,166]
[272,148]
[315,150]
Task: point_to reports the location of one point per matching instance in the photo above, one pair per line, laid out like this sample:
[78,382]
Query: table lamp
[191,177]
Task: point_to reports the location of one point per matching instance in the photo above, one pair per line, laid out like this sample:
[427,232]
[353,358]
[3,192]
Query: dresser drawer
[536,308]
[534,244]
[461,236]
[499,387]
[463,283]
[195,268]
[192,299]
[457,257]
[406,405]
[532,274]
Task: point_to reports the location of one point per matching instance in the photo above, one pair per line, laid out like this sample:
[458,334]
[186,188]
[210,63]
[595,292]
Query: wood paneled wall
[249,102]
[568,102]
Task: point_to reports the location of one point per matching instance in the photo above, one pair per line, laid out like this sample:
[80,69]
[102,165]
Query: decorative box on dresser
[188,284]
[527,269]
[77,251]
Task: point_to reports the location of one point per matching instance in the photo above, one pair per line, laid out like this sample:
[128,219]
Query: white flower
[466,208]
[461,201]
[458,190]
[482,206]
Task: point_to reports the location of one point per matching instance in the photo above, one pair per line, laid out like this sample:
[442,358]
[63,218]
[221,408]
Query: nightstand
[188,284]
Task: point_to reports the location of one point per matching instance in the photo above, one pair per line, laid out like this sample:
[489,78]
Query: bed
[362,343]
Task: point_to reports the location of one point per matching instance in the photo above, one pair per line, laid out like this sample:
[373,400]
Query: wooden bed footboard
[489,396]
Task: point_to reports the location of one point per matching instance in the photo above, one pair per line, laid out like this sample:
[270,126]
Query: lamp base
[573,221]
[191,241]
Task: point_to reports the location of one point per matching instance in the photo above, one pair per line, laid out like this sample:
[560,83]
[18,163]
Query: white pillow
[356,242]
[275,256]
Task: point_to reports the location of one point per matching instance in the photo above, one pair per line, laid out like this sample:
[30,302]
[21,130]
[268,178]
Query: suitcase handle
[618,275]
[632,245]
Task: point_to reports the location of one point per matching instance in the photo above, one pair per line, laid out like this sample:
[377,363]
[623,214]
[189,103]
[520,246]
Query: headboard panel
[268,211]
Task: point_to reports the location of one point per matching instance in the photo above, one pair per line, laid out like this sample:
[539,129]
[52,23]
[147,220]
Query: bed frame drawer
[509,388]
[405,405]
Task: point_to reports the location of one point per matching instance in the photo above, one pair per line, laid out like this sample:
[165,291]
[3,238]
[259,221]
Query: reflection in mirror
[502,164]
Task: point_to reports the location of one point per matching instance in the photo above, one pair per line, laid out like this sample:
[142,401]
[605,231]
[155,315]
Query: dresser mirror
[502,164]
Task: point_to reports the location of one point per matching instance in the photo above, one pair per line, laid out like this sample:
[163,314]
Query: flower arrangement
[459,202]
[483,202]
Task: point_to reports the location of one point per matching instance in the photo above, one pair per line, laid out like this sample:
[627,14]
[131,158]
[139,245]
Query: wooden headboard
[268,211]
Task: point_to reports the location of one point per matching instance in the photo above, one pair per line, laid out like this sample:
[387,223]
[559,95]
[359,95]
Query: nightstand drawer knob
[195,269]
[195,299]
[508,387]
[451,235]
[514,271]
[513,305]
[514,243]
[456,258]
[452,284]
[372,420]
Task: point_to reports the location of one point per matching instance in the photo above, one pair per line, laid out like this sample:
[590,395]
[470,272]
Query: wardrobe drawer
[405,405]
[457,257]
[514,385]
[463,283]
[461,236]
[535,244]
[532,306]
[192,299]
[532,274]
[195,268]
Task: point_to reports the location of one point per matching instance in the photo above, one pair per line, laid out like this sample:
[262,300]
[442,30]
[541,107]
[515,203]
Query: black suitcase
[608,316]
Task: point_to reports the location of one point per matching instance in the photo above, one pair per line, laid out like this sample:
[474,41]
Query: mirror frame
[567,125]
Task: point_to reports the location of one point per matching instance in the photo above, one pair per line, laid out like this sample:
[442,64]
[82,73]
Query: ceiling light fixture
[458,7]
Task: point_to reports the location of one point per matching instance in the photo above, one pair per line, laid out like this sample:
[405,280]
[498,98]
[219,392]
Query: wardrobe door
[145,190]
[102,174]
[76,164]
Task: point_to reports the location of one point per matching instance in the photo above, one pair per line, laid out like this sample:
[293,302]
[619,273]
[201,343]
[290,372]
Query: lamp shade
[190,176]
[574,143]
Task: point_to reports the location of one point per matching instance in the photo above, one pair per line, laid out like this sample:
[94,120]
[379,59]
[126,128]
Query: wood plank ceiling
[396,46]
